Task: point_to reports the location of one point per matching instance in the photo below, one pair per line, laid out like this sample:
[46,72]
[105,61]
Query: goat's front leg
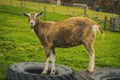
[52,59]
[47,53]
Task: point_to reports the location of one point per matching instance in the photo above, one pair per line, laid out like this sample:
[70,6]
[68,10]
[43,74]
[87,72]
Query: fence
[68,9]
[115,24]
[39,5]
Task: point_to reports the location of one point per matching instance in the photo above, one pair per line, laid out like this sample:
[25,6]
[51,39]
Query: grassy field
[19,44]
[58,9]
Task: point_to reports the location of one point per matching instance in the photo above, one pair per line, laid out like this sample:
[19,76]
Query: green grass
[58,9]
[19,44]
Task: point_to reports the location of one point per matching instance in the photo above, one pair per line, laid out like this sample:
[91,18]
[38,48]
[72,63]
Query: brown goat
[71,32]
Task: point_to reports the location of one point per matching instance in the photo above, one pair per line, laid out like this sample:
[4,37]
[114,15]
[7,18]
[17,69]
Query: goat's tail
[100,30]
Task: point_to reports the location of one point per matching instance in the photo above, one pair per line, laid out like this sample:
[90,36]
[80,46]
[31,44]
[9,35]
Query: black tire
[99,74]
[32,70]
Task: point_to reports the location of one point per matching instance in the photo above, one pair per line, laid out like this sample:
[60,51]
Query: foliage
[112,6]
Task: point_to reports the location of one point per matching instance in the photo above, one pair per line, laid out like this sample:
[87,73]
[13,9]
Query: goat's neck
[38,26]
[39,23]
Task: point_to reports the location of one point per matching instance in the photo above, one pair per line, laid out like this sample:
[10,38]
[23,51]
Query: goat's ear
[25,14]
[39,14]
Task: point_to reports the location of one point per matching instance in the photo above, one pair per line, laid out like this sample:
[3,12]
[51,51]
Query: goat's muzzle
[32,23]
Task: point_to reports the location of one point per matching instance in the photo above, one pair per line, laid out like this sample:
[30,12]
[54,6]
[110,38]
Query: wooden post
[38,4]
[85,12]
[73,13]
[105,23]
[58,2]
[44,13]
[68,9]
[112,24]
[53,8]
[21,8]
[10,2]
[24,3]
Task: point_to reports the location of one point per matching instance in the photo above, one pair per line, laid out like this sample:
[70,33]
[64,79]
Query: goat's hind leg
[90,49]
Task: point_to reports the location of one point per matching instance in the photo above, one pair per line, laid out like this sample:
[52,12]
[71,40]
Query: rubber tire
[99,74]
[32,70]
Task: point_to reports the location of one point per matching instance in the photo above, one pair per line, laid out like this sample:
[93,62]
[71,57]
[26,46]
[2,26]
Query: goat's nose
[31,23]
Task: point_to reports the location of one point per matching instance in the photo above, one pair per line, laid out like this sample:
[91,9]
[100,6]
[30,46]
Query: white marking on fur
[52,59]
[35,15]
[46,66]
[94,28]
[91,63]
[32,23]
[28,14]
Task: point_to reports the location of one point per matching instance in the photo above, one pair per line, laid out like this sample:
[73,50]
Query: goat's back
[72,32]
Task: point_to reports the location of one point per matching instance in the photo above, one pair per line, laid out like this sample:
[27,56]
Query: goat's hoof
[52,73]
[90,71]
[43,73]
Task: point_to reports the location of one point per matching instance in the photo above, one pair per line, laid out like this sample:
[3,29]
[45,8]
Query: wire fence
[66,9]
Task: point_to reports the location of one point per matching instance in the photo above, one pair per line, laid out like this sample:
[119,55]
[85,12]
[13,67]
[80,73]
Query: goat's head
[32,18]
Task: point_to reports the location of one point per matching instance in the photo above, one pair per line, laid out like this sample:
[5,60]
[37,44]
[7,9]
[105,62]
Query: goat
[71,32]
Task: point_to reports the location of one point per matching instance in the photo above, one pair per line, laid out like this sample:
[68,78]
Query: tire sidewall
[18,72]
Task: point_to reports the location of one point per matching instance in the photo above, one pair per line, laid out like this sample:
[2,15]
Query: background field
[19,44]
[66,10]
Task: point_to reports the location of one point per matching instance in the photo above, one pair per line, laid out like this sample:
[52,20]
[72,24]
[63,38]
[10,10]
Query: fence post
[44,13]
[38,4]
[68,9]
[73,13]
[24,3]
[21,5]
[54,8]
[105,22]
[10,2]
[85,12]
[112,24]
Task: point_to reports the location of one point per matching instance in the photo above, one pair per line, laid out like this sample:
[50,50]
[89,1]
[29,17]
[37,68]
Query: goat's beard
[32,26]
[32,30]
